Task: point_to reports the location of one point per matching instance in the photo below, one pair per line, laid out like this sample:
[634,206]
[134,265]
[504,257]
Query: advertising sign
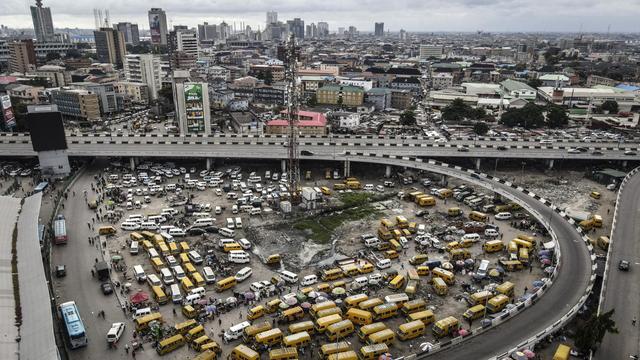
[194,107]
[154,28]
[7,111]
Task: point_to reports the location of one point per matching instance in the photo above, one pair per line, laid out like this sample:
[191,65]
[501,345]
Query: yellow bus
[184,259]
[345,355]
[293,314]
[255,312]
[327,350]
[297,340]
[186,284]
[445,327]
[325,190]
[323,323]
[184,247]
[142,323]
[169,344]
[198,343]
[367,330]
[386,223]
[474,312]
[354,300]
[426,316]
[157,263]
[397,282]
[439,286]
[385,336]
[411,330]
[189,312]
[370,304]
[251,331]
[189,268]
[339,330]
[207,354]
[331,274]
[147,235]
[493,246]
[159,295]
[134,236]
[226,283]
[211,347]
[402,222]
[183,327]
[497,303]
[329,311]
[269,337]
[360,317]
[288,353]
[195,333]
[563,352]
[173,248]
[506,288]
[478,216]
[350,269]
[306,326]
[243,352]
[197,279]
[413,306]
[480,297]
[147,244]
[445,275]
[385,311]
[321,306]
[372,352]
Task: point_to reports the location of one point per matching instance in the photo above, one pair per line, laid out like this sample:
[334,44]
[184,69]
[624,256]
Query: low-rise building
[28,95]
[309,123]
[340,95]
[269,94]
[57,75]
[246,122]
[406,83]
[517,89]
[441,81]
[584,96]
[554,80]
[133,91]
[379,97]
[78,104]
[401,99]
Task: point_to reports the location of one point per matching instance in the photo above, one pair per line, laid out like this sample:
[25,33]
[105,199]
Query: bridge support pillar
[132,163]
[624,163]
[283,165]
[387,172]
[347,168]
[550,164]
[478,160]
[444,180]
[208,162]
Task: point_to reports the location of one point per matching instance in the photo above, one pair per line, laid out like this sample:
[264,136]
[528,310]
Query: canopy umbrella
[322,294]
[529,354]
[447,265]
[426,346]
[203,302]
[305,305]
[519,356]
[283,305]
[301,297]
[139,297]
[291,301]
[338,301]
[116,258]
[538,283]
[249,295]
[549,270]
[338,291]
[385,356]
[210,308]
[494,273]
[469,262]
[312,294]
[320,299]
[460,263]
[463,332]
[545,261]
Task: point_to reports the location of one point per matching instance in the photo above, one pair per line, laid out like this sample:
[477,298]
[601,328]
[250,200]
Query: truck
[60,230]
[102,270]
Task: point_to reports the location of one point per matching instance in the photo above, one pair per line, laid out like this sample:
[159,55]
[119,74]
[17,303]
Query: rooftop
[512,85]
[349,88]
[307,118]
[553,77]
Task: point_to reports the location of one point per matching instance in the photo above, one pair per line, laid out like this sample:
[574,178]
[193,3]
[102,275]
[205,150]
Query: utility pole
[293,117]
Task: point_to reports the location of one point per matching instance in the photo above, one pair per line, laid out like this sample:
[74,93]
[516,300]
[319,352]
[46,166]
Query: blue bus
[73,324]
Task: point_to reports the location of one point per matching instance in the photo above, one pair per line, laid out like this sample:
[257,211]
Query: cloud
[413,15]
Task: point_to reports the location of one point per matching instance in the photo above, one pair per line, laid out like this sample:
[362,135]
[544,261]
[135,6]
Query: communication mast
[293,117]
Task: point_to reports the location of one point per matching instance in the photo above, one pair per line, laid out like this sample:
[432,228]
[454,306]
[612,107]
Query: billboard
[194,107]
[154,28]
[7,112]
[46,130]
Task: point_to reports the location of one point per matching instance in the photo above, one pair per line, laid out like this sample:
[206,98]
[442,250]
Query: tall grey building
[379,30]
[207,31]
[296,26]
[110,46]
[42,23]
[130,31]
[158,26]
[272,17]
[323,29]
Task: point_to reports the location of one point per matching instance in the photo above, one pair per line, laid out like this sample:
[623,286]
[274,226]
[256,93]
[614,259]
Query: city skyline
[458,15]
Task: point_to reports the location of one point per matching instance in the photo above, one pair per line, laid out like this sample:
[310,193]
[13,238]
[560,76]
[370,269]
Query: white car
[116,331]
[503,216]
[573,151]
[380,188]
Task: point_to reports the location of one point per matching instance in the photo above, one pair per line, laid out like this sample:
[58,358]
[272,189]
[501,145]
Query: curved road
[623,288]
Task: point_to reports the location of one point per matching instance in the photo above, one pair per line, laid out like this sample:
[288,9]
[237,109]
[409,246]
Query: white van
[153,280]
[130,226]
[149,225]
[176,295]
[218,210]
[238,257]
[134,217]
[234,209]
[204,222]
[503,216]
[368,187]
[158,219]
[209,276]
[223,242]
[375,278]
[255,211]
[152,253]
[309,280]
[129,205]
[227,232]
[177,232]
[484,267]
[178,272]
[383,264]
[244,243]
[167,276]
[142,312]
[166,236]
[230,223]
[492,233]
[198,291]
[472,237]
[243,274]
[170,187]
[236,331]
[288,276]
[372,242]
[138,273]
[191,299]
[359,282]
[134,248]
[171,211]
[195,257]
[238,223]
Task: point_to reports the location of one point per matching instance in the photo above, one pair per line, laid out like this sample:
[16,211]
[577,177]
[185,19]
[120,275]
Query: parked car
[115,332]
[106,288]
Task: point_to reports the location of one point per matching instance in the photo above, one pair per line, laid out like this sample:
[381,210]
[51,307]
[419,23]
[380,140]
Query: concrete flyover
[618,285]
[159,145]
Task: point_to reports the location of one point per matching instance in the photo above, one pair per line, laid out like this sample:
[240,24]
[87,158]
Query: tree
[590,335]
[534,83]
[73,53]
[557,117]
[408,118]
[313,100]
[480,128]
[340,101]
[530,116]
[456,111]
[53,56]
[611,106]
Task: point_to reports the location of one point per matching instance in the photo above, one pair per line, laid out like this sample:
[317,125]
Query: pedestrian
[93,274]
[530,268]
[525,289]
[220,321]
[126,348]
[133,353]
[633,321]
[89,225]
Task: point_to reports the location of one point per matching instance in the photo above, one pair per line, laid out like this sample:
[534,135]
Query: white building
[517,89]
[349,120]
[441,81]
[364,84]
[431,51]
[583,96]
[554,80]
[144,68]
[219,72]
[191,101]
[187,42]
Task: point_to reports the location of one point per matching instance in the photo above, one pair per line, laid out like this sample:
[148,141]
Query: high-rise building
[110,46]
[158,26]
[272,17]
[22,56]
[130,31]
[323,29]
[183,48]
[144,68]
[296,26]
[42,23]
[191,101]
[379,30]
[207,32]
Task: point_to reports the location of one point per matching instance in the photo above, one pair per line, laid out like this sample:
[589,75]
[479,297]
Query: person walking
[126,348]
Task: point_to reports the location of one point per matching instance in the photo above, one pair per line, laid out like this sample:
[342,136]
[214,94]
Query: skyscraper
[144,68]
[110,46]
[130,31]
[296,26]
[191,101]
[22,56]
[272,17]
[379,31]
[323,29]
[207,32]
[158,26]
[42,23]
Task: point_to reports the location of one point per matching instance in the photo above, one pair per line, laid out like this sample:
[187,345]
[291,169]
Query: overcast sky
[411,15]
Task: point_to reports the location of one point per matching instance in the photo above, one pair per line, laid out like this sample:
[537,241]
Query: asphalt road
[78,285]
[623,288]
